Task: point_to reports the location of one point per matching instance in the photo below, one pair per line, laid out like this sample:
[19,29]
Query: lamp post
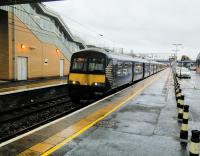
[176,52]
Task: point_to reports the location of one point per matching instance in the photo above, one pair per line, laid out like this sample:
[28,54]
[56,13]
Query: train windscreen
[79,64]
[89,65]
[96,64]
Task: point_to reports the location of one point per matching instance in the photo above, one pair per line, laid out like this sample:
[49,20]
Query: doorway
[61,67]
[22,66]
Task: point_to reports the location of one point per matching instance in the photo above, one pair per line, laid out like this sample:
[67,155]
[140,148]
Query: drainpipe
[14,49]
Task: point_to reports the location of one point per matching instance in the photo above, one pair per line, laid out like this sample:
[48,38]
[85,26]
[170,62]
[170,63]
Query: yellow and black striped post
[184,126]
[176,83]
[194,144]
[178,97]
[180,108]
[176,88]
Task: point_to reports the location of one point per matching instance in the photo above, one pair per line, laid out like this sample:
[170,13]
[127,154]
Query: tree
[184,58]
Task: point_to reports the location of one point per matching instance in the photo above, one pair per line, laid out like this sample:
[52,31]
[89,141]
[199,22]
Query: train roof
[117,56]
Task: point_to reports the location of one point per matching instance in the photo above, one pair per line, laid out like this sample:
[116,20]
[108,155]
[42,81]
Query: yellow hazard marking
[180,110]
[179,94]
[41,147]
[194,148]
[181,102]
[100,117]
[53,140]
[184,127]
[29,153]
[185,115]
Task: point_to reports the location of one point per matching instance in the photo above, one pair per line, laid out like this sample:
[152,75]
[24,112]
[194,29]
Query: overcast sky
[141,25]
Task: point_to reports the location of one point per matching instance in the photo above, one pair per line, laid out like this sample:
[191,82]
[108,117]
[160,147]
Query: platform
[20,86]
[141,120]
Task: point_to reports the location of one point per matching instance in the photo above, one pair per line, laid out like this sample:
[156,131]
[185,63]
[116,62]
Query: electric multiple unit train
[95,71]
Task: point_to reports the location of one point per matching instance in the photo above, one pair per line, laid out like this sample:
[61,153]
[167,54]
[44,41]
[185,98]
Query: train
[96,71]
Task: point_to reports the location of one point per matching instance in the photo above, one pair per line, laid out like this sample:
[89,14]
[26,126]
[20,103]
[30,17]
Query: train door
[144,68]
[22,68]
[133,65]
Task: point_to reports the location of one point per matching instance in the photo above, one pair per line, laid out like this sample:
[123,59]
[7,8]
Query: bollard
[184,126]
[180,108]
[176,88]
[178,97]
[176,82]
[178,91]
[194,144]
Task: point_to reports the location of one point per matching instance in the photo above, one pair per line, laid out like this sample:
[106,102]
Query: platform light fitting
[23,46]
[57,50]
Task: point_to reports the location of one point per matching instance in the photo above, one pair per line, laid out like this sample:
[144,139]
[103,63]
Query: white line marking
[29,89]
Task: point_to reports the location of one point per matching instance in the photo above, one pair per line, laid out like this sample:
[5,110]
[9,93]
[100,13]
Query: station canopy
[13,2]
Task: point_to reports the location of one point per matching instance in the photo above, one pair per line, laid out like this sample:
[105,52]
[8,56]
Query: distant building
[198,63]
[186,63]
[34,43]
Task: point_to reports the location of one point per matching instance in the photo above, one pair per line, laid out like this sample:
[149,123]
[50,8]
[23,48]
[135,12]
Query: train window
[138,68]
[127,69]
[79,64]
[96,64]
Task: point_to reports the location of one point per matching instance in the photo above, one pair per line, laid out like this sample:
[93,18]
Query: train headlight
[73,82]
[98,84]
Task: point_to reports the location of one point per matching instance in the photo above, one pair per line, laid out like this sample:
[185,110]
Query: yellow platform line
[53,149]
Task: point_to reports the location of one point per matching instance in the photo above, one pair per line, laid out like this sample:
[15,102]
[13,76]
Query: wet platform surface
[12,87]
[146,125]
[191,90]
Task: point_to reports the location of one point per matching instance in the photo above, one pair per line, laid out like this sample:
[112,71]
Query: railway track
[20,120]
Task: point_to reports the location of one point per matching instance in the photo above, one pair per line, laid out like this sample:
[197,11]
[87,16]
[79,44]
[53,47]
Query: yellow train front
[87,74]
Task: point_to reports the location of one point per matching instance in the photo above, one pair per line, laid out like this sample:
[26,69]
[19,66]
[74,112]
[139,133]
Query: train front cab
[87,74]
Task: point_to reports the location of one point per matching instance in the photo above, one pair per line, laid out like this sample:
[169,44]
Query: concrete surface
[191,90]
[144,126]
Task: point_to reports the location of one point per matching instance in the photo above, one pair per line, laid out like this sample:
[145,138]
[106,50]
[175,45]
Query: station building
[34,43]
